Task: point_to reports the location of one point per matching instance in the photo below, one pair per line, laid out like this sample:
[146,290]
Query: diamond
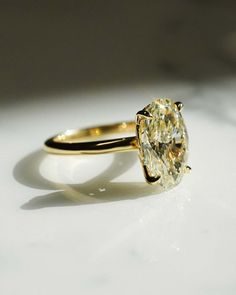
[163,142]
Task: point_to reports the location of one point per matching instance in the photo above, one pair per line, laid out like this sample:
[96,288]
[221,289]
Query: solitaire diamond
[163,142]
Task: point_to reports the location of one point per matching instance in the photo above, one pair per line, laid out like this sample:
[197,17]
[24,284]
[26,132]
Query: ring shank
[85,141]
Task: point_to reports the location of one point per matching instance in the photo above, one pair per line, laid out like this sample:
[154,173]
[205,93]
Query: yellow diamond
[163,142]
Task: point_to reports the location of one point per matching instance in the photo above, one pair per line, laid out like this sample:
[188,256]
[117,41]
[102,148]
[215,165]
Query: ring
[161,139]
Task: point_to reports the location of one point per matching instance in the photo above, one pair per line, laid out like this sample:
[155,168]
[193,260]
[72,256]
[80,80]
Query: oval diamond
[163,142]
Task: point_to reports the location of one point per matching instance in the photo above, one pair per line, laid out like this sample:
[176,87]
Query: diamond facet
[163,142]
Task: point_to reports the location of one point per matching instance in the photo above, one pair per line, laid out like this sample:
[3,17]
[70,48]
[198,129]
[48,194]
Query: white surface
[72,225]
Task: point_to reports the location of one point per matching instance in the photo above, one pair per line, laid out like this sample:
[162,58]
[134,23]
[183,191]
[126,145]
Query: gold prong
[188,169]
[144,114]
[179,105]
[150,179]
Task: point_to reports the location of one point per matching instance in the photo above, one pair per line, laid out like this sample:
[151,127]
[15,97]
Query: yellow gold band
[84,141]
[159,134]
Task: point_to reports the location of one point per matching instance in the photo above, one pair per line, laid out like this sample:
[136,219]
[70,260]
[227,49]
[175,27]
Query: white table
[90,225]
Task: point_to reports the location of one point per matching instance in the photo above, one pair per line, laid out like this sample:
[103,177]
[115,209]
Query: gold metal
[144,114]
[93,140]
[179,105]
[85,141]
[139,116]
[188,169]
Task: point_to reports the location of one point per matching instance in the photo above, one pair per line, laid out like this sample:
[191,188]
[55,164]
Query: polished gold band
[85,141]
[159,134]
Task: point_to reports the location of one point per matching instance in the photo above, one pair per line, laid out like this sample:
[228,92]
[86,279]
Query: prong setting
[145,114]
[162,151]
[179,105]
[188,169]
[150,179]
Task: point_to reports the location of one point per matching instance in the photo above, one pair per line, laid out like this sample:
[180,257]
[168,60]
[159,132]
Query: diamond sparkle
[163,142]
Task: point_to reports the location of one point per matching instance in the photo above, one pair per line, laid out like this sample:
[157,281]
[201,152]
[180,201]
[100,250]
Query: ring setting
[161,139]
[163,142]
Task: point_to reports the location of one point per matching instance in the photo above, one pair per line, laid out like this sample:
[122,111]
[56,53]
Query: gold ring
[161,139]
